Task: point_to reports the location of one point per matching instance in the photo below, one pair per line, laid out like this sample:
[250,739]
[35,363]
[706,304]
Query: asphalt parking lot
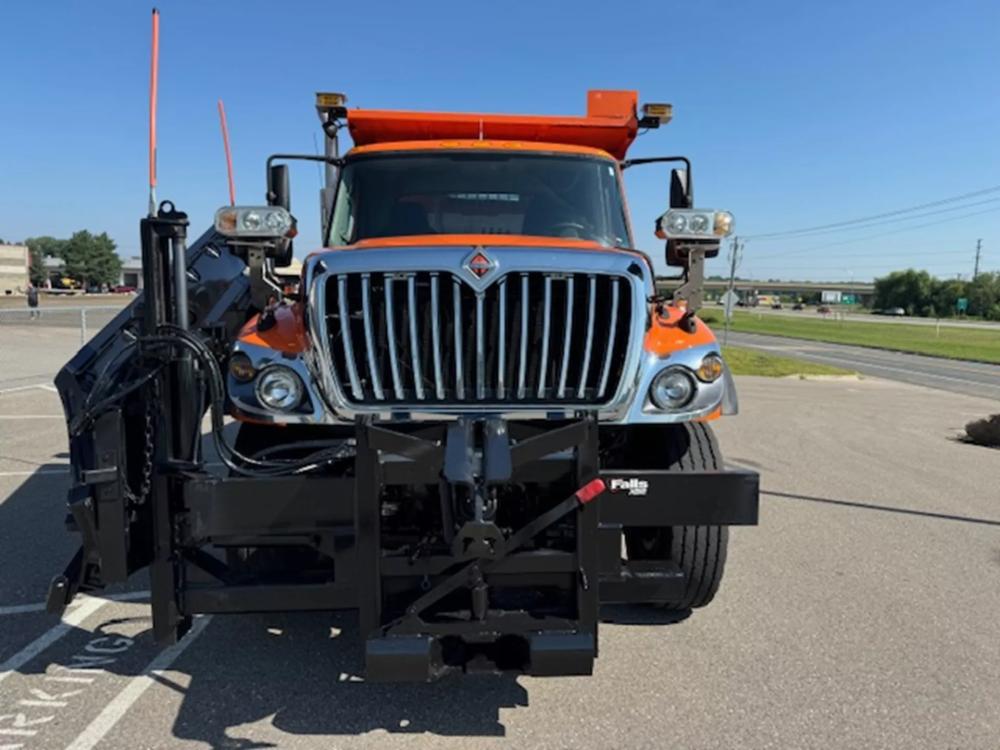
[862,612]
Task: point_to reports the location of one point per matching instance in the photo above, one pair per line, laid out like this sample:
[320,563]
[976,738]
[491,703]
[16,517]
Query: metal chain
[147,452]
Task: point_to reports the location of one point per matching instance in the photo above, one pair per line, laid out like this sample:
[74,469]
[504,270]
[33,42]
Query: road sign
[962,304]
[729,300]
[848,299]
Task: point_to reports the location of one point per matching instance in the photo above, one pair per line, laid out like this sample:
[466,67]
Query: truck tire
[700,551]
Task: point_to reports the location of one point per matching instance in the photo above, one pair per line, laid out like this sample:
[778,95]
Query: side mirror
[681,196]
[681,189]
[279,193]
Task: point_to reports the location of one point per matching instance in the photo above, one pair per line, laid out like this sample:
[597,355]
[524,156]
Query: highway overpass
[863,293]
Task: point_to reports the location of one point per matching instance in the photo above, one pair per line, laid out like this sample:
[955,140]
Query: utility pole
[975,272]
[733,260]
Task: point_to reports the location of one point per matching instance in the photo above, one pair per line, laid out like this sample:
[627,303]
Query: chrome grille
[427,338]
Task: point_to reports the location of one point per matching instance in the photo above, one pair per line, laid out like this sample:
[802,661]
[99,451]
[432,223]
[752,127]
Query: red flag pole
[229,156]
[153,74]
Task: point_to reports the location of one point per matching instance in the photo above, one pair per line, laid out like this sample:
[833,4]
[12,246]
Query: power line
[873,217]
[882,222]
[876,236]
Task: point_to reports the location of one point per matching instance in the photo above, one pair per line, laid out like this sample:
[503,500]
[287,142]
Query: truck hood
[470,242]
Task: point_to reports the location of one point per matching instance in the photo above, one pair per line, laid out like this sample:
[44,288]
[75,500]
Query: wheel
[700,551]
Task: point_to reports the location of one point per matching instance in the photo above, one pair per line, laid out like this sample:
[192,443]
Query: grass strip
[751,362]
[978,345]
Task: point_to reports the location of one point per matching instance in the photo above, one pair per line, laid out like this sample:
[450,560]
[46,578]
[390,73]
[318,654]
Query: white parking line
[36,472]
[19,388]
[32,416]
[73,618]
[20,609]
[121,703]
[65,472]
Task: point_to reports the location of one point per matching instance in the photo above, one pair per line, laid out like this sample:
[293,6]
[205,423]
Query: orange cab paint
[288,334]
[665,335]
[488,240]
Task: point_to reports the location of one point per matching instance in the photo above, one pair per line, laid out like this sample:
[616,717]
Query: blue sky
[795,114]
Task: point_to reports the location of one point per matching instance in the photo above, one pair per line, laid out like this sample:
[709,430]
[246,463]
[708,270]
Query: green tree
[908,289]
[40,248]
[984,296]
[91,259]
[944,296]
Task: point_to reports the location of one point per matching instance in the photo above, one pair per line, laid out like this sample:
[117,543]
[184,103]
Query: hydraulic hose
[232,458]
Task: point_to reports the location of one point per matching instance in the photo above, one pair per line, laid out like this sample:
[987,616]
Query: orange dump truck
[471,418]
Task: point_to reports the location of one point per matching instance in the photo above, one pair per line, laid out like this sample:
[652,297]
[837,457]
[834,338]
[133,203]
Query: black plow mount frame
[481,598]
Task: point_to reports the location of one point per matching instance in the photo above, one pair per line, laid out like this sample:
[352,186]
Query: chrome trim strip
[502,338]
[480,346]
[366,281]
[521,368]
[611,338]
[411,291]
[345,335]
[588,346]
[436,337]
[390,330]
[569,338]
[546,325]
[456,296]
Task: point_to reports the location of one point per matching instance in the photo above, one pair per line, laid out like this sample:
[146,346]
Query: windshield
[540,195]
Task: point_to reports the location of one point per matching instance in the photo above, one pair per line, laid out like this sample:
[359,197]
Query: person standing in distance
[32,295]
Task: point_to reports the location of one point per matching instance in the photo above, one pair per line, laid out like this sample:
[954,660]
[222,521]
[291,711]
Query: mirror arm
[262,287]
[692,291]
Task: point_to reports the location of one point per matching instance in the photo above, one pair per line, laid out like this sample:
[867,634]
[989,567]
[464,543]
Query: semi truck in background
[471,418]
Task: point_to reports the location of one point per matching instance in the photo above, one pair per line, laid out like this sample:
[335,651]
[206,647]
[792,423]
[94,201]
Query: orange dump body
[610,125]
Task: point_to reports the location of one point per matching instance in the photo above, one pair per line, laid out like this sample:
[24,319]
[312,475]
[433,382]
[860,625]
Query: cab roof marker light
[332,102]
[656,114]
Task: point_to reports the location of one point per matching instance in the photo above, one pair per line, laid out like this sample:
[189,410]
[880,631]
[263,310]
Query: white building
[131,274]
[14,268]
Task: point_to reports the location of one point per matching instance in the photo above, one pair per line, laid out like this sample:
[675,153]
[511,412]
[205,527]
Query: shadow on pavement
[883,508]
[35,545]
[299,672]
[642,614]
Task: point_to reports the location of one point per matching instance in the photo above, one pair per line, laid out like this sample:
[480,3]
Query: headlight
[253,221]
[696,224]
[710,368]
[241,368]
[672,389]
[279,388]
[676,223]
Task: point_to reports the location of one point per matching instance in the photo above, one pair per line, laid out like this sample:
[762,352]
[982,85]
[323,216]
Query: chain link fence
[87,320]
